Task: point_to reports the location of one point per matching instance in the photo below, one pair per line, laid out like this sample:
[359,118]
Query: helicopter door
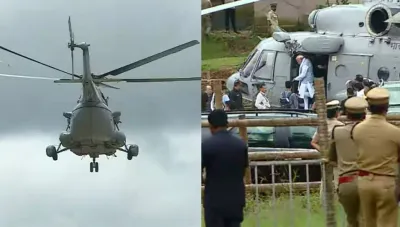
[343,68]
[264,72]
[282,74]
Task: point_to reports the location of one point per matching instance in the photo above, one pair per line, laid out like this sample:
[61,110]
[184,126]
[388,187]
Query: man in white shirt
[306,79]
[262,102]
[225,101]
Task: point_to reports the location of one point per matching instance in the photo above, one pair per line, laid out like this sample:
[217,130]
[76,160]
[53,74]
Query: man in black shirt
[235,96]
[225,159]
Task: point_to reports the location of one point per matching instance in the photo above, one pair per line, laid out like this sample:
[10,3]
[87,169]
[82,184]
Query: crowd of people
[231,100]
[365,154]
[365,180]
[298,94]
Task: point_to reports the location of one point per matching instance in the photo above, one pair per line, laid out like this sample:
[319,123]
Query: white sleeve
[302,73]
[258,102]
[212,104]
[267,104]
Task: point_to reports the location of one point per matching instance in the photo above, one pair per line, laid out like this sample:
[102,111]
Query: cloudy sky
[161,186]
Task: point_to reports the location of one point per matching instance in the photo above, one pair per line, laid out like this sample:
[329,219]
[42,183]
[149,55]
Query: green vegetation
[221,63]
[221,44]
[285,214]
[225,50]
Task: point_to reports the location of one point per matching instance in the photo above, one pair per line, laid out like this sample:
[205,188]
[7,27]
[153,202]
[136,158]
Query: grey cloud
[161,186]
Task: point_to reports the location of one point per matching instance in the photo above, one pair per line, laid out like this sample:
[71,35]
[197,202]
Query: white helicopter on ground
[92,127]
[346,40]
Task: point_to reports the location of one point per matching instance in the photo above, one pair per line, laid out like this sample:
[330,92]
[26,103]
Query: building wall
[289,11]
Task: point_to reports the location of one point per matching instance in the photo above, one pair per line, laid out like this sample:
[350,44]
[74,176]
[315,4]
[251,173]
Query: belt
[346,179]
[363,173]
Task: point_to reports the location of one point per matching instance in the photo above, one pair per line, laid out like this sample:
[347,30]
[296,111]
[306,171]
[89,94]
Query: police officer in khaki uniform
[272,19]
[343,152]
[332,111]
[206,19]
[378,145]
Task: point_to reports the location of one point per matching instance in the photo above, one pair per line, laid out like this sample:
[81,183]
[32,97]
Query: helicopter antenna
[71,44]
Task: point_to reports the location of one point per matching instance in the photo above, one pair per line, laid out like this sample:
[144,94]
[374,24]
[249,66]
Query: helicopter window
[250,63]
[383,73]
[264,68]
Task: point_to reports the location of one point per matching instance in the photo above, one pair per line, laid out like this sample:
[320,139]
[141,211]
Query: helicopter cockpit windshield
[264,69]
[249,64]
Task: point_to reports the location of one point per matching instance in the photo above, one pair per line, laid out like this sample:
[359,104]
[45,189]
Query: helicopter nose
[231,80]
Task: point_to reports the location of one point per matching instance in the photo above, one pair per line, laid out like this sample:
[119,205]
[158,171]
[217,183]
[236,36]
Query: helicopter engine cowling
[354,19]
[339,19]
[376,17]
[66,139]
[119,139]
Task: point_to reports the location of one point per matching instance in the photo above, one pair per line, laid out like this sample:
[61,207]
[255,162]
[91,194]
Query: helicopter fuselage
[92,131]
[366,45]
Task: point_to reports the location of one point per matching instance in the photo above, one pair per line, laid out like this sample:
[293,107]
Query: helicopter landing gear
[132,151]
[52,151]
[94,166]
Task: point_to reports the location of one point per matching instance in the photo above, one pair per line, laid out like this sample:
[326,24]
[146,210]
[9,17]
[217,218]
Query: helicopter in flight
[345,39]
[93,129]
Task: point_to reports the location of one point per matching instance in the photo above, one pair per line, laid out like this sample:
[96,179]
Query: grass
[285,214]
[225,50]
[221,63]
[226,45]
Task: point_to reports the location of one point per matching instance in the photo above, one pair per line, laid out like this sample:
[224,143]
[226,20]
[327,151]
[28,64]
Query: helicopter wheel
[133,151]
[94,166]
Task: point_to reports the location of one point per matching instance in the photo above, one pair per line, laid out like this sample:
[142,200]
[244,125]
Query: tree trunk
[320,101]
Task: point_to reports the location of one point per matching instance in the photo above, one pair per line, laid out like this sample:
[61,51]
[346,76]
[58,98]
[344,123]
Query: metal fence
[307,194]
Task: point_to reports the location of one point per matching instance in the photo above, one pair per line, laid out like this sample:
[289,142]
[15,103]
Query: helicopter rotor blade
[226,6]
[75,81]
[108,86]
[27,77]
[71,45]
[149,80]
[149,59]
[38,62]
[71,34]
